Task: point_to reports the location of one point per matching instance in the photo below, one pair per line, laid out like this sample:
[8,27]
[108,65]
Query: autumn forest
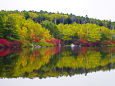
[31,28]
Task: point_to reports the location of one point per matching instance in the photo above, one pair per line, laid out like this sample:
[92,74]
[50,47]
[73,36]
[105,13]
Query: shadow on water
[55,62]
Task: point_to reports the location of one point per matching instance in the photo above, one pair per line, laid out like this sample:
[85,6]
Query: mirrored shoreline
[55,61]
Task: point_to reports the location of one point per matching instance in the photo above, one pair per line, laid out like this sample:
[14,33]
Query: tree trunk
[55,21]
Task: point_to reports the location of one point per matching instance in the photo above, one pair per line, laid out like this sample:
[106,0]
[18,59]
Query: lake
[55,66]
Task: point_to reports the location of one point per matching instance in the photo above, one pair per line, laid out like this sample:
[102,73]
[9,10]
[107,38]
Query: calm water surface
[66,66]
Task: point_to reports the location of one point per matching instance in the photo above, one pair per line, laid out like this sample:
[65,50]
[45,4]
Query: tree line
[45,28]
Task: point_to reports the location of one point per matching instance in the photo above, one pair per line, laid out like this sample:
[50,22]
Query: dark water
[65,66]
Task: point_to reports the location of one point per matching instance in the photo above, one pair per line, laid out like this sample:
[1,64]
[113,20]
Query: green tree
[51,27]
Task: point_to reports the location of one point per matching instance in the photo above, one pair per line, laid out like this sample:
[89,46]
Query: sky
[99,78]
[100,9]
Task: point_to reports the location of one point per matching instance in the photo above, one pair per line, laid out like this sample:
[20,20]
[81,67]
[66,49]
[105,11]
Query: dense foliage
[41,28]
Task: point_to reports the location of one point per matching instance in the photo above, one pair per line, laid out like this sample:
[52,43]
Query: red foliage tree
[89,44]
[83,41]
[55,42]
[37,40]
[112,42]
[4,52]
[83,49]
[17,44]
[105,42]
[62,43]
[75,43]
[5,43]
[48,42]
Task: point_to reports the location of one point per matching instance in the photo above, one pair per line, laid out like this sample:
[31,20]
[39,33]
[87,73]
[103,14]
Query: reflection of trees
[94,59]
[44,62]
[91,59]
[26,62]
[7,64]
[7,51]
[33,60]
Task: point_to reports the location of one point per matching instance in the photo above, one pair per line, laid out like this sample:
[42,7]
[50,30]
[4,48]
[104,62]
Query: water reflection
[55,62]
